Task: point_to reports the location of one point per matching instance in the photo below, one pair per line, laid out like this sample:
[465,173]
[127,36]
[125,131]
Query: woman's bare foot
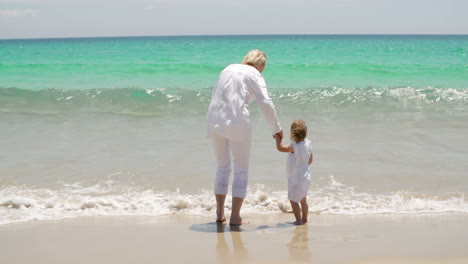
[237,222]
[298,223]
[304,221]
[220,218]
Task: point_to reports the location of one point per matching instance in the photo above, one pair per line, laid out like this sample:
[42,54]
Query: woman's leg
[241,155]
[220,198]
[223,169]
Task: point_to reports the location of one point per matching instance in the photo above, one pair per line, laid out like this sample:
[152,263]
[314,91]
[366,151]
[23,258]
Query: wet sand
[424,238]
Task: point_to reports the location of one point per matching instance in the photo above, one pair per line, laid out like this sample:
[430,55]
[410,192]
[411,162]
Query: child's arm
[311,158]
[282,147]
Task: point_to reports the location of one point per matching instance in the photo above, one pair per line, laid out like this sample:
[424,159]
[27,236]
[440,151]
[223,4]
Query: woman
[229,127]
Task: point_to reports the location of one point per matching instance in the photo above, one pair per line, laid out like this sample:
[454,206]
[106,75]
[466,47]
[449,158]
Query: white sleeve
[265,103]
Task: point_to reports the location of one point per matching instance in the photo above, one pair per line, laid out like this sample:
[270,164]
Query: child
[299,159]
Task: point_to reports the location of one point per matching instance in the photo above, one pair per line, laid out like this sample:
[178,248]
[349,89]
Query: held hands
[278,136]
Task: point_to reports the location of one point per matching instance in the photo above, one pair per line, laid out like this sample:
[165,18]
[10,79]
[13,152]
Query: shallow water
[115,126]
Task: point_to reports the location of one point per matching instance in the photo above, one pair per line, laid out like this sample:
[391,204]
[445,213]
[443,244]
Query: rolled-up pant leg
[223,163]
[240,148]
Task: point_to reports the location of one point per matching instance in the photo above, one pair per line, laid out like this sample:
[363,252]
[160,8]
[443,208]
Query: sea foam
[22,203]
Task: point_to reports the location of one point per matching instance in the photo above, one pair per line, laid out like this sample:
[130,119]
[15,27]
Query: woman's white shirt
[237,86]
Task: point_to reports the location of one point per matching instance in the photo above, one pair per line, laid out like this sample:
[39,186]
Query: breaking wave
[21,203]
[162,101]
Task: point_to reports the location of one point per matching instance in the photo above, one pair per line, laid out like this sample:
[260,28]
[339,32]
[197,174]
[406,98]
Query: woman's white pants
[239,147]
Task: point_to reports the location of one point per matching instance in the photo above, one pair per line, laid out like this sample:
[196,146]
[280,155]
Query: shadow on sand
[216,227]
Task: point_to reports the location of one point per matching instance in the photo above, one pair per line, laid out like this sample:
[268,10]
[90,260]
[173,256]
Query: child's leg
[297,212]
[305,209]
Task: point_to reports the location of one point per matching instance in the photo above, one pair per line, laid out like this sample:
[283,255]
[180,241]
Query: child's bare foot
[237,222]
[298,223]
[220,218]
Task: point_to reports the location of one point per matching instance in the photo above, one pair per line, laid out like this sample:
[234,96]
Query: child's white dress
[298,170]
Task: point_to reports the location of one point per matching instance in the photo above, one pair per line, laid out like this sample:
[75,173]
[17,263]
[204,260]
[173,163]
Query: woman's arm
[311,158]
[259,88]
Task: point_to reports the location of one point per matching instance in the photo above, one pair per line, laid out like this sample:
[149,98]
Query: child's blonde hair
[298,130]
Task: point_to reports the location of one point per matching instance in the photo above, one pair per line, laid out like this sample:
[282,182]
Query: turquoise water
[145,73]
[116,126]
[193,62]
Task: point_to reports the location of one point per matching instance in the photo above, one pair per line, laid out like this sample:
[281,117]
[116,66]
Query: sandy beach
[423,238]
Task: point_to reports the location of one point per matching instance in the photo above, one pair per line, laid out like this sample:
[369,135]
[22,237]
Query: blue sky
[91,18]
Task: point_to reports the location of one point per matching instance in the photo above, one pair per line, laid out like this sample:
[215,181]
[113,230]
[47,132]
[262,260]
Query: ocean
[116,126]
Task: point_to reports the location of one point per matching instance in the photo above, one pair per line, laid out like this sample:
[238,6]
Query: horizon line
[230,35]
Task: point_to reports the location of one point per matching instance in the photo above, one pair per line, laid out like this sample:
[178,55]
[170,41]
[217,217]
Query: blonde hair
[298,130]
[255,57]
